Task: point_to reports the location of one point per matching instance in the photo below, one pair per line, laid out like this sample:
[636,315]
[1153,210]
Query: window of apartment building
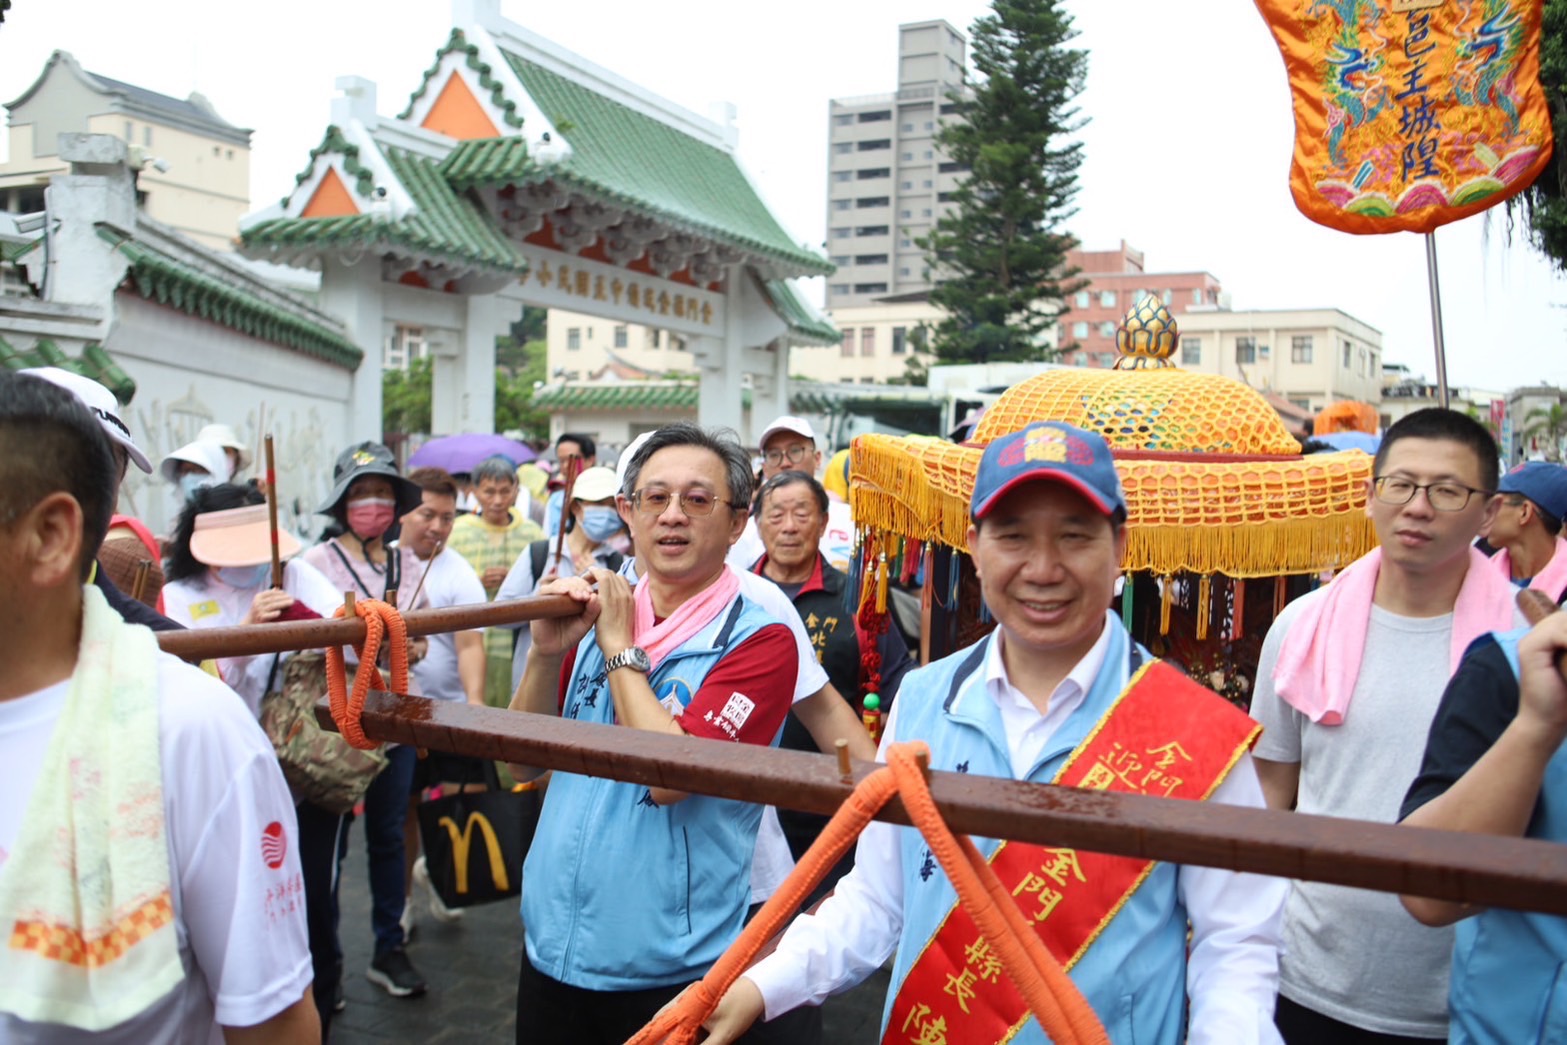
[404,346]
[928,183]
[841,231]
[867,341]
[842,204]
[873,172]
[870,259]
[949,109]
[871,230]
[873,145]
[930,154]
[1196,295]
[906,185]
[1080,328]
[620,336]
[1168,297]
[946,197]
[930,125]
[1245,350]
[841,260]
[1082,299]
[875,117]
[865,202]
[905,214]
[1107,299]
[573,338]
[843,119]
[1300,348]
[905,271]
[1349,351]
[904,241]
[842,148]
[847,347]
[839,288]
[658,339]
[842,175]
[900,340]
[908,128]
[1191,351]
[1107,360]
[1107,329]
[870,288]
[925,213]
[1364,369]
[950,168]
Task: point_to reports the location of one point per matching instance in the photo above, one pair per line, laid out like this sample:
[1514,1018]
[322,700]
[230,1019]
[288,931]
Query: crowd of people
[164,883]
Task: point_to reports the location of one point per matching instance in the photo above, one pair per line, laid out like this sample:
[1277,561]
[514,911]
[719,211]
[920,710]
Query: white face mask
[244,578]
[190,482]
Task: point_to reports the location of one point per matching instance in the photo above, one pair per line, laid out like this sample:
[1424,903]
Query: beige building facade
[1311,357]
[581,345]
[194,166]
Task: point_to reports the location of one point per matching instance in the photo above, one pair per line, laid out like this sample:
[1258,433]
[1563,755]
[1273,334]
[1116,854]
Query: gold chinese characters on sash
[1164,736]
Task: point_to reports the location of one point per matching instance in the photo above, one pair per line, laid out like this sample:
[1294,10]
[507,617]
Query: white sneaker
[439,909]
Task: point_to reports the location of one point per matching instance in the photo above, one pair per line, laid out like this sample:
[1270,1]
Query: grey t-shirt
[1353,954]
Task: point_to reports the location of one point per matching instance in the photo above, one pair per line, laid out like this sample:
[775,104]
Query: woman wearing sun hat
[218,573]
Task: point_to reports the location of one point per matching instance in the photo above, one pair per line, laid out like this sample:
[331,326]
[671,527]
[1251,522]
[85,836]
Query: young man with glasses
[1349,680]
[633,891]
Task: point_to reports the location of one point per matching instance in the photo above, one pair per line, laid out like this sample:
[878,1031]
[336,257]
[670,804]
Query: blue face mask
[245,578]
[190,482]
[600,524]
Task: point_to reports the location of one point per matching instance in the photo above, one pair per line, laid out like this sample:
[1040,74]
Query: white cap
[101,402]
[595,484]
[224,436]
[788,423]
[202,454]
[625,458]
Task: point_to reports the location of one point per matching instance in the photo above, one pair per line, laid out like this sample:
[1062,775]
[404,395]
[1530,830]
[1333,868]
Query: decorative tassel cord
[1063,1013]
[348,708]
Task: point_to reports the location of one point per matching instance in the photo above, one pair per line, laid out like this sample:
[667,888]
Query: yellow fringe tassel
[1204,605]
[881,584]
[1166,585]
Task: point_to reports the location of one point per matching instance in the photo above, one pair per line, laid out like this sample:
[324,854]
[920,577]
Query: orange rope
[348,708]
[1063,1013]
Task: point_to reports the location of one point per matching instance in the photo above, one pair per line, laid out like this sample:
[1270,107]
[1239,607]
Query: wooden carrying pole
[1488,871]
[277,559]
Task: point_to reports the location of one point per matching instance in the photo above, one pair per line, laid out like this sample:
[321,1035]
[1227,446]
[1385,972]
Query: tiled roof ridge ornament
[1147,336]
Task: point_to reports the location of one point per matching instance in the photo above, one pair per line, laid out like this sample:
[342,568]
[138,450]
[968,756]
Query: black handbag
[475,842]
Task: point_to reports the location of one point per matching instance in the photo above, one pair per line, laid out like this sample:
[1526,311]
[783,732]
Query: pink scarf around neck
[1319,662]
[1552,578]
[696,613]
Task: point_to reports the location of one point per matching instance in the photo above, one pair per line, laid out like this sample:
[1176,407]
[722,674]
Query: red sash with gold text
[1165,735]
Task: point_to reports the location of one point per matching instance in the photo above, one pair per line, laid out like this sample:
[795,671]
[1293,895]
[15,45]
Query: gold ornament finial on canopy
[1147,336]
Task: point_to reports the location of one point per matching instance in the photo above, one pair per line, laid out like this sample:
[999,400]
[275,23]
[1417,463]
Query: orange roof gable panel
[331,199]
[458,114]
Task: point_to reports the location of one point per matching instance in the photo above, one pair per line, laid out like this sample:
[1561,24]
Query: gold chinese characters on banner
[1411,113]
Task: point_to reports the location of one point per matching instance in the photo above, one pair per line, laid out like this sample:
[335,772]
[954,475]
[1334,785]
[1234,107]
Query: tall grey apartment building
[886,180]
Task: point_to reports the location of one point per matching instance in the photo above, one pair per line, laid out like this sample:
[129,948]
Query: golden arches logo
[462,839]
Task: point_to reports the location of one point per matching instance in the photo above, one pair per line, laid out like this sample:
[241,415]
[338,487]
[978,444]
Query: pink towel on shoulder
[661,639]
[1319,662]
[1552,579]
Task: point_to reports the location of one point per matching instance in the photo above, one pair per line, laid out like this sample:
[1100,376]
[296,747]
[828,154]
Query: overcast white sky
[1187,151]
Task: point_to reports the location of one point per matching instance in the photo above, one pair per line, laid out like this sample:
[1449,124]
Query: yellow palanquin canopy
[1214,483]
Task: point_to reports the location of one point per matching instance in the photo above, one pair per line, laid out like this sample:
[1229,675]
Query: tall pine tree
[998,258]
[1544,204]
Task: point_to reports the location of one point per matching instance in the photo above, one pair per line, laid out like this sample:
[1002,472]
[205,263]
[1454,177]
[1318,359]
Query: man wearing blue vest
[1058,692]
[633,892]
[1494,764]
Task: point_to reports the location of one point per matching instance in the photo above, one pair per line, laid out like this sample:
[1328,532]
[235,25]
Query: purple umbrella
[459,453]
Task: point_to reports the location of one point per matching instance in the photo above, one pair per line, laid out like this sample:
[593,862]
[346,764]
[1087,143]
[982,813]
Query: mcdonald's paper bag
[474,843]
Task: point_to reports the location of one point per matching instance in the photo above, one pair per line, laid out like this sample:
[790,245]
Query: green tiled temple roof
[167,280]
[624,395]
[621,155]
[445,226]
[94,362]
[804,322]
[334,142]
[458,42]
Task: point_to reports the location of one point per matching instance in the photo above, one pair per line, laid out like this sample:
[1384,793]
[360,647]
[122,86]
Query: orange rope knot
[348,708]
[1062,1011]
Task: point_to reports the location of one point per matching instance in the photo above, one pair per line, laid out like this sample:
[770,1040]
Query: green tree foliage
[1548,424]
[405,398]
[406,395]
[999,256]
[514,394]
[1544,204]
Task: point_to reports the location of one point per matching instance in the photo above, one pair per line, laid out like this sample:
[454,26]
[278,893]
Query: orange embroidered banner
[1410,114]
[1156,740]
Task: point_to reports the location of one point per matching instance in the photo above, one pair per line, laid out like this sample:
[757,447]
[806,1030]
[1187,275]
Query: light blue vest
[1134,974]
[623,894]
[1509,982]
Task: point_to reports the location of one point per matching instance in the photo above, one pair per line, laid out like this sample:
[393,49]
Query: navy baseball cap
[1054,451]
[1543,483]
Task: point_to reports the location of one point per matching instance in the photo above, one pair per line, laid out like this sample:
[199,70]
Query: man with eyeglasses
[633,892]
[788,445]
[1349,680]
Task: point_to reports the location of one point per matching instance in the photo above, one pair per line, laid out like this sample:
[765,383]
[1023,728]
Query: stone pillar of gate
[353,294]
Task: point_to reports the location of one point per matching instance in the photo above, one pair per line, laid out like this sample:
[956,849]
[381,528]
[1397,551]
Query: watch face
[637,657]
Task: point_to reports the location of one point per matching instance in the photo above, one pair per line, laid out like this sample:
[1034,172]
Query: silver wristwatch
[633,657]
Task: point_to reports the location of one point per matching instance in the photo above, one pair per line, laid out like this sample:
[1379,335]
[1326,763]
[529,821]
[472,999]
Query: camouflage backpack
[320,766]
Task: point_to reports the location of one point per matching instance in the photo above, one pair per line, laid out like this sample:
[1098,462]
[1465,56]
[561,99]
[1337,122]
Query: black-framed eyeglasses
[795,454]
[694,503]
[1444,496]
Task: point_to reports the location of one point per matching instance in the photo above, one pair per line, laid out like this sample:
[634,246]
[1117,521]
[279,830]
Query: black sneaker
[392,971]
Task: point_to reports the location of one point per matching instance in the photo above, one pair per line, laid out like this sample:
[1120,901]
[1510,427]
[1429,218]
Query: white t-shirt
[207,602]
[1354,954]
[449,582]
[239,920]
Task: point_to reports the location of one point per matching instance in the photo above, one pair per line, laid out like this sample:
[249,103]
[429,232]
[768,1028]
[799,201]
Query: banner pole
[1436,321]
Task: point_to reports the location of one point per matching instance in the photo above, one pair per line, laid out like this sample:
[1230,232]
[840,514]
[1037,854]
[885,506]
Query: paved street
[471,967]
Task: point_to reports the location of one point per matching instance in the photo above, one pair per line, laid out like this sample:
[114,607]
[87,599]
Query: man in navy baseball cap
[1528,525]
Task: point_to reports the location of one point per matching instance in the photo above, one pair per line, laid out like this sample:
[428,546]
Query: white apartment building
[194,165]
[887,182]
[580,346]
[878,342]
[1311,357]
